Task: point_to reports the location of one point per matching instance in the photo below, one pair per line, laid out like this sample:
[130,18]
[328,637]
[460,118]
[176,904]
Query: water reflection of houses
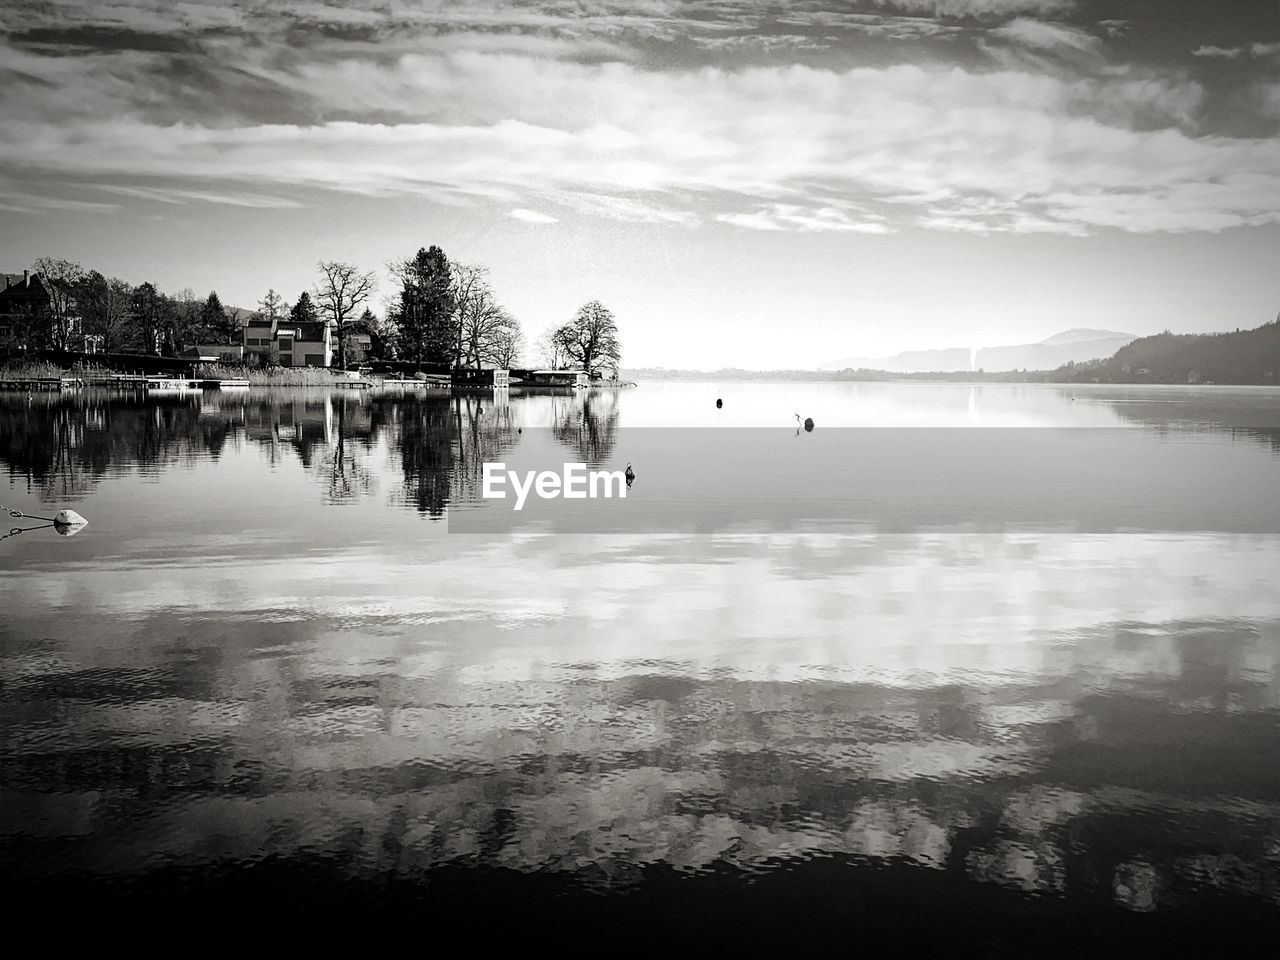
[289,420]
[440,442]
[64,443]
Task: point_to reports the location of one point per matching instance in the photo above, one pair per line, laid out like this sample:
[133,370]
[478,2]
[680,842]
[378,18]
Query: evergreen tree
[304,311]
[424,312]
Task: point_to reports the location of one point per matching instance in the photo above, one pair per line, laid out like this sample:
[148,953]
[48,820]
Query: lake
[990,668]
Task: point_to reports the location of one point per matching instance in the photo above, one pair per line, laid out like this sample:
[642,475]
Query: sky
[744,184]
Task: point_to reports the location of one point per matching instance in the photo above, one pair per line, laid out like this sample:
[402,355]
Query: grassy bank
[269,377]
[25,370]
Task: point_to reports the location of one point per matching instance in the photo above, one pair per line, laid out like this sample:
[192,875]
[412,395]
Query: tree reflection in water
[587,423]
[346,467]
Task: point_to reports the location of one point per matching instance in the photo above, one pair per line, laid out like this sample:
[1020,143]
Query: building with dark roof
[24,311]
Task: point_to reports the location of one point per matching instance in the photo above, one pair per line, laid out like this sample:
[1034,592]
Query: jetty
[184,382]
[41,384]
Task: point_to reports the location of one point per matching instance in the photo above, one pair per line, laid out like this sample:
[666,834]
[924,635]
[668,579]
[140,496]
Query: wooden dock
[41,384]
[430,383]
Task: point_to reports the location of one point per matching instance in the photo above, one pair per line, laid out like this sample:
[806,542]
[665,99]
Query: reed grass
[268,377]
[31,370]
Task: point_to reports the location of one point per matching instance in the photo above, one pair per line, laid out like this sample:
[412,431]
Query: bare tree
[548,350]
[271,306]
[508,343]
[237,317]
[473,306]
[486,331]
[184,322]
[107,307]
[591,338]
[342,289]
[61,278]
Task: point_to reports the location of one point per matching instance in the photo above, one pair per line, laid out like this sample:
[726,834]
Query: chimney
[26,278]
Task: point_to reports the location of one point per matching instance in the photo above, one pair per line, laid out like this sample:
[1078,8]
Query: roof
[14,290]
[304,330]
[17,280]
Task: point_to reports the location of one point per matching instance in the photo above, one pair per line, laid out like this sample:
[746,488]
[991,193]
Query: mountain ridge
[1076,345]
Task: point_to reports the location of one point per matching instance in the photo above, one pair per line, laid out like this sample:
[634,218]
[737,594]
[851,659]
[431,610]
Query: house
[259,336]
[489,375]
[215,353]
[359,346]
[305,344]
[557,378]
[23,300]
[288,342]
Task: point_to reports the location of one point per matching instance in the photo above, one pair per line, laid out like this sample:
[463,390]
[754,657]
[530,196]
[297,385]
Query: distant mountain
[1070,346]
[1246,356]
[908,361]
[1084,335]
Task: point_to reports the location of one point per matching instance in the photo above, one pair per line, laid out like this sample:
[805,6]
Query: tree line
[1238,357]
[440,313]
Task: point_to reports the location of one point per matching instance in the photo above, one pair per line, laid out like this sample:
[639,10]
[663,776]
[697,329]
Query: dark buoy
[719,403]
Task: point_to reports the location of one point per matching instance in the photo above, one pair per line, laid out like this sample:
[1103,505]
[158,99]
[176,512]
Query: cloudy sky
[744,183]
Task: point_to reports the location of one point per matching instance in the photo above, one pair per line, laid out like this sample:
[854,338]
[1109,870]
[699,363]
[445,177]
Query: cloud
[153,17]
[1268,95]
[632,209]
[18,200]
[870,25]
[1261,51]
[493,105]
[671,137]
[979,8]
[805,219]
[531,216]
[178,196]
[1218,52]
[1048,36]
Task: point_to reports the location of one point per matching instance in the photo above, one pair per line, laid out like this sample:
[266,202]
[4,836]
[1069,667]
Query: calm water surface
[268,672]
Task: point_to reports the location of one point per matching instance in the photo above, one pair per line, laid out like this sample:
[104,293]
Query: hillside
[1246,356]
[1070,346]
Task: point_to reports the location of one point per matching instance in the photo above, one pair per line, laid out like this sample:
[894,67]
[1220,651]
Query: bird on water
[807,422]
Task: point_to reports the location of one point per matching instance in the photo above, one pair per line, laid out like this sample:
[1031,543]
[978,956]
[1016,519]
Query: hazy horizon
[742,184]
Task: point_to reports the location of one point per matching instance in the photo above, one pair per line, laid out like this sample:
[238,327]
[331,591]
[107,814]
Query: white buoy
[68,518]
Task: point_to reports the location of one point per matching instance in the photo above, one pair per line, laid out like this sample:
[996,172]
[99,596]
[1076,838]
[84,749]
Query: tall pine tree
[424,310]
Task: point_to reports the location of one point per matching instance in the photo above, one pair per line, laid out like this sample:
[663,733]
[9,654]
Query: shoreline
[46,377]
